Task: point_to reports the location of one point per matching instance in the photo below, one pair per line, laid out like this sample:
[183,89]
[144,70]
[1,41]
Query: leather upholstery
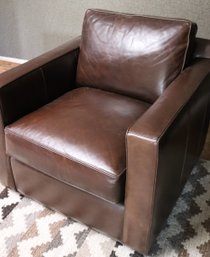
[157,145]
[163,143]
[78,139]
[134,55]
[27,87]
[202,48]
[35,83]
[31,98]
[6,174]
[74,203]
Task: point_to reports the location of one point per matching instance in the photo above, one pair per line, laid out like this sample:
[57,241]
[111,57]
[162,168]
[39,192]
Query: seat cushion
[78,139]
[133,55]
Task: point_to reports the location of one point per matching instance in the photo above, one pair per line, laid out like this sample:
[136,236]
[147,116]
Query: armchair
[107,127]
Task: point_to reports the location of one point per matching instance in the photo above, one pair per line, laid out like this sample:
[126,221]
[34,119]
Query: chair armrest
[162,147]
[202,48]
[30,86]
[38,81]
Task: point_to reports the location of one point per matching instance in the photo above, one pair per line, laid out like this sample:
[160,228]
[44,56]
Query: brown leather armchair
[106,129]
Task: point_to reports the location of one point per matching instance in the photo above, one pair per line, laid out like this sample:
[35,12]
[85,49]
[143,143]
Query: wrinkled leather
[163,143]
[93,211]
[78,139]
[202,48]
[134,55]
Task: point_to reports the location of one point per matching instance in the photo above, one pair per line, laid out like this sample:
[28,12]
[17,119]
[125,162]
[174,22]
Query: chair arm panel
[159,153]
[30,86]
[202,48]
[6,175]
[60,73]
[33,84]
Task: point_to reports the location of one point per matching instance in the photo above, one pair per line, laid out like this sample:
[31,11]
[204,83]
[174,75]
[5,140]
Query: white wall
[30,27]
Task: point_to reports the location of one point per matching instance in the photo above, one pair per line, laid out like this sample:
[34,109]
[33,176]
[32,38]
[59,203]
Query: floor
[4,65]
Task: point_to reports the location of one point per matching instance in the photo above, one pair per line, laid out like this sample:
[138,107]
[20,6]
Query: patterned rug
[29,229]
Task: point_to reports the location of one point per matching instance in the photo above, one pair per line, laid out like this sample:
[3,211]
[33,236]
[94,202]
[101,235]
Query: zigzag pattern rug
[29,229]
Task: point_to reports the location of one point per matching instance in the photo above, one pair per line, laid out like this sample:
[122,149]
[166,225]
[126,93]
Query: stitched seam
[153,197]
[152,202]
[175,114]
[11,170]
[156,18]
[7,131]
[45,83]
[181,107]
[167,126]
[154,183]
[129,128]
[187,48]
[7,161]
[136,15]
[67,183]
[10,83]
[36,67]
[203,123]
[186,147]
[3,116]
[157,141]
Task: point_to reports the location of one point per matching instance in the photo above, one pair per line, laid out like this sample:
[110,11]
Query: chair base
[95,212]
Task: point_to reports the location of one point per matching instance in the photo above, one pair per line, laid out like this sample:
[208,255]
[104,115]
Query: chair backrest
[138,56]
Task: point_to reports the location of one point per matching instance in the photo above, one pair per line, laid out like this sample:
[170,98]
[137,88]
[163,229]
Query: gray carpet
[29,229]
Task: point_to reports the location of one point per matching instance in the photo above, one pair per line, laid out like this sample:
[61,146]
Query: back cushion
[133,55]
